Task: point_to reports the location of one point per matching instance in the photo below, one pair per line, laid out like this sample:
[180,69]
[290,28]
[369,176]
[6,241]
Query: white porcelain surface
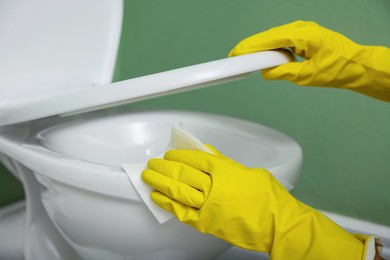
[92,202]
[11,234]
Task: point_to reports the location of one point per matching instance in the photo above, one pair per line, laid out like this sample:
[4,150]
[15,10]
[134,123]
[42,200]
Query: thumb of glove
[289,71]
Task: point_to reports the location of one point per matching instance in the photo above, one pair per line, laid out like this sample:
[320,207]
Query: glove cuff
[372,247]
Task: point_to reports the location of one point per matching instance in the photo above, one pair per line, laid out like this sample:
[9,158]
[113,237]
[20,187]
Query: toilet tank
[50,47]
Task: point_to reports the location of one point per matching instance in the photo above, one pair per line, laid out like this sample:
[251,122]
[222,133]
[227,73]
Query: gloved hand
[331,59]
[247,207]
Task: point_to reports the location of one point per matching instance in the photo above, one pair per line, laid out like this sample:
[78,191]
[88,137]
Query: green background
[344,135]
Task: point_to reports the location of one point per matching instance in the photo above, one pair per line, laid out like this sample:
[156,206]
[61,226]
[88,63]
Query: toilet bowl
[89,198]
[80,203]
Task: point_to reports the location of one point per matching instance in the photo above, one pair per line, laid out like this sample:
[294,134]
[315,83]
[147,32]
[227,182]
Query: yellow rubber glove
[247,207]
[331,59]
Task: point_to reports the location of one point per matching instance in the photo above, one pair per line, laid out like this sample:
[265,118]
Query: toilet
[65,131]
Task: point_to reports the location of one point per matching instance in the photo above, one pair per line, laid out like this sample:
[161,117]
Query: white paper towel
[181,139]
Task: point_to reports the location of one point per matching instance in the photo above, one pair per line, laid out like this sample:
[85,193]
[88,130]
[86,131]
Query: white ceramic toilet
[57,64]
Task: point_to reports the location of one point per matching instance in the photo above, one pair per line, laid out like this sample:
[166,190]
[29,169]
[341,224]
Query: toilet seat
[141,88]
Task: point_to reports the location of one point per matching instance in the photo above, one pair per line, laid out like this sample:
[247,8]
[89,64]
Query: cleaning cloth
[181,139]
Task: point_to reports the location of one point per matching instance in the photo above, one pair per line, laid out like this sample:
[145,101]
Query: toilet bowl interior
[136,137]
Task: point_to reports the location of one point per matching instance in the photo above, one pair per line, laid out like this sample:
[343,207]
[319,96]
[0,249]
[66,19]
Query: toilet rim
[50,165]
[99,178]
[167,117]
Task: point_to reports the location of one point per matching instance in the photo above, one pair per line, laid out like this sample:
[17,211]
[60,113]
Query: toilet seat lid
[140,88]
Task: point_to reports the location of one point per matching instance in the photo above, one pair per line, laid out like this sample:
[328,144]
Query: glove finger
[181,211]
[267,40]
[297,35]
[178,191]
[199,160]
[182,173]
[289,71]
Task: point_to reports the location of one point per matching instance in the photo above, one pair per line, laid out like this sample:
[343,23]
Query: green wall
[344,135]
[10,187]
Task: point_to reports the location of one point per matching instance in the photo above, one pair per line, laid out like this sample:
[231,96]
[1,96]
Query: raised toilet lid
[56,60]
